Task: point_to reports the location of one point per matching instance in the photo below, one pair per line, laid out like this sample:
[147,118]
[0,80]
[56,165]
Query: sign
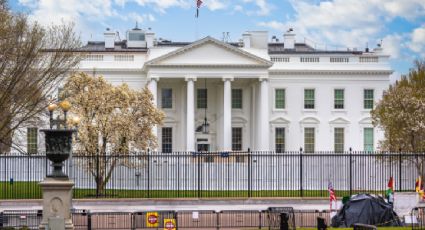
[152,219]
[169,224]
[195,215]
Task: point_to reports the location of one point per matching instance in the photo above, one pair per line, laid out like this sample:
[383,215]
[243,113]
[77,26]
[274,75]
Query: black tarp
[366,209]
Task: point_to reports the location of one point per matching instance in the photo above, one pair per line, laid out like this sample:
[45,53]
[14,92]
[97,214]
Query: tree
[114,120]
[401,114]
[33,60]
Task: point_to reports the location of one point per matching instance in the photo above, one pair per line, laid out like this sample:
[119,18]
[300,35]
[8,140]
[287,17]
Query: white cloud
[264,7]
[215,4]
[349,23]
[417,42]
[393,44]
[274,25]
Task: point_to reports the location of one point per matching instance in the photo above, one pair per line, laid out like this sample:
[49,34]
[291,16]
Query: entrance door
[203,147]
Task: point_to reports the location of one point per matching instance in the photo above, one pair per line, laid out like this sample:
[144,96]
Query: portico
[180,77]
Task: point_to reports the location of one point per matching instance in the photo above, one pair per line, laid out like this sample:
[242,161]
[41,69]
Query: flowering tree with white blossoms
[116,122]
[401,114]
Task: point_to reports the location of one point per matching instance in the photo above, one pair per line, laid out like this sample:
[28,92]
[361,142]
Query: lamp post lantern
[59,140]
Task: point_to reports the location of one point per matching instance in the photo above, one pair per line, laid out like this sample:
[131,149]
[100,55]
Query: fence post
[399,168]
[88,220]
[97,175]
[301,173]
[199,174]
[218,220]
[249,172]
[148,172]
[351,171]
[1,219]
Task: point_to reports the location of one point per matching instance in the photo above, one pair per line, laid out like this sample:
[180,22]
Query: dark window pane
[236,139]
[167,98]
[236,98]
[280,140]
[167,139]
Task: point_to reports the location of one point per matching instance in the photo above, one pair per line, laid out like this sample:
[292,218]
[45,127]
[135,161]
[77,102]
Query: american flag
[331,190]
[198,5]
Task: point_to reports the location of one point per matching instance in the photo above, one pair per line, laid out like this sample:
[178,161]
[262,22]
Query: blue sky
[333,24]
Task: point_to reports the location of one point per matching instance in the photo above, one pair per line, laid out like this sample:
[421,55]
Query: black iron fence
[216,174]
[196,219]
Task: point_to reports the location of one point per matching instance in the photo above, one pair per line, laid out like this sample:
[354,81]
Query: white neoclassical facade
[255,93]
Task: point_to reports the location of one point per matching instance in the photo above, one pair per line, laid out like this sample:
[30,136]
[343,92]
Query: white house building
[255,93]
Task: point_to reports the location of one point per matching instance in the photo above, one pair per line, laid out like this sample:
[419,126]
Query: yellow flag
[170,224]
[152,219]
[418,184]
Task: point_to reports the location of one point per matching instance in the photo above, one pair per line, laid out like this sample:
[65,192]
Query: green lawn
[379,228]
[31,190]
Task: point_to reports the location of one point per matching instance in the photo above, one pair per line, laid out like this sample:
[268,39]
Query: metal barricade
[30,219]
[281,218]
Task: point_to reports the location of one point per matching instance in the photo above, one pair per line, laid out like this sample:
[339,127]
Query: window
[280,98]
[368,59]
[202,98]
[167,98]
[338,99]
[339,59]
[93,57]
[280,140]
[308,98]
[309,140]
[309,59]
[368,139]
[236,139]
[339,140]
[368,99]
[236,98]
[167,139]
[61,94]
[136,36]
[123,57]
[279,59]
[32,140]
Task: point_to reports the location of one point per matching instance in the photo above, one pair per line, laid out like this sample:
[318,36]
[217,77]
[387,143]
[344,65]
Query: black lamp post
[59,140]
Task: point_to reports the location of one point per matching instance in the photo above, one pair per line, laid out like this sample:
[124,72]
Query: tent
[366,209]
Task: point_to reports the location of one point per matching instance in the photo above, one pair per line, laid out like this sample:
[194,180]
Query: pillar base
[57,199]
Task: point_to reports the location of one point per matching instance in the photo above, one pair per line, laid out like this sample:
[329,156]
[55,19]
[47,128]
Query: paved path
[130,205]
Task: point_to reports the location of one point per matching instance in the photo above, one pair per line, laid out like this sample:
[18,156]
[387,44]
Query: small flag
[390,189]
[331,190]
[332,196]
[418,184]
[198,5]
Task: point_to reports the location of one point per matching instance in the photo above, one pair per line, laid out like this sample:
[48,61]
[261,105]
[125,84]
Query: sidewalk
[132,205]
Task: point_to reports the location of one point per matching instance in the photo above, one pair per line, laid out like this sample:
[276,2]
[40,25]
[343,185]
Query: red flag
[391,183]
[198,5]
[332,196]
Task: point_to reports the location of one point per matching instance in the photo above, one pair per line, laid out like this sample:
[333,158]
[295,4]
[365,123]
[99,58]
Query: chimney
[109,39]
[150,37]
[289,39]
[246,40]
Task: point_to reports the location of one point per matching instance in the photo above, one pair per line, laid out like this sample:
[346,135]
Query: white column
[190,114]
[227,114]
[264,115]
[153,87]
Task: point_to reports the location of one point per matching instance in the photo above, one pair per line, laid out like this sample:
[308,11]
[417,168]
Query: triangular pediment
[310,120]
[339,120]
[280,120]
[209,52]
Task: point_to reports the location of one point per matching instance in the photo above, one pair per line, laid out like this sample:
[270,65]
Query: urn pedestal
[57,198]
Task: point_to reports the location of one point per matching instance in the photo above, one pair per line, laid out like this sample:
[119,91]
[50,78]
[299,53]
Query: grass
[31,190]
[379,228]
